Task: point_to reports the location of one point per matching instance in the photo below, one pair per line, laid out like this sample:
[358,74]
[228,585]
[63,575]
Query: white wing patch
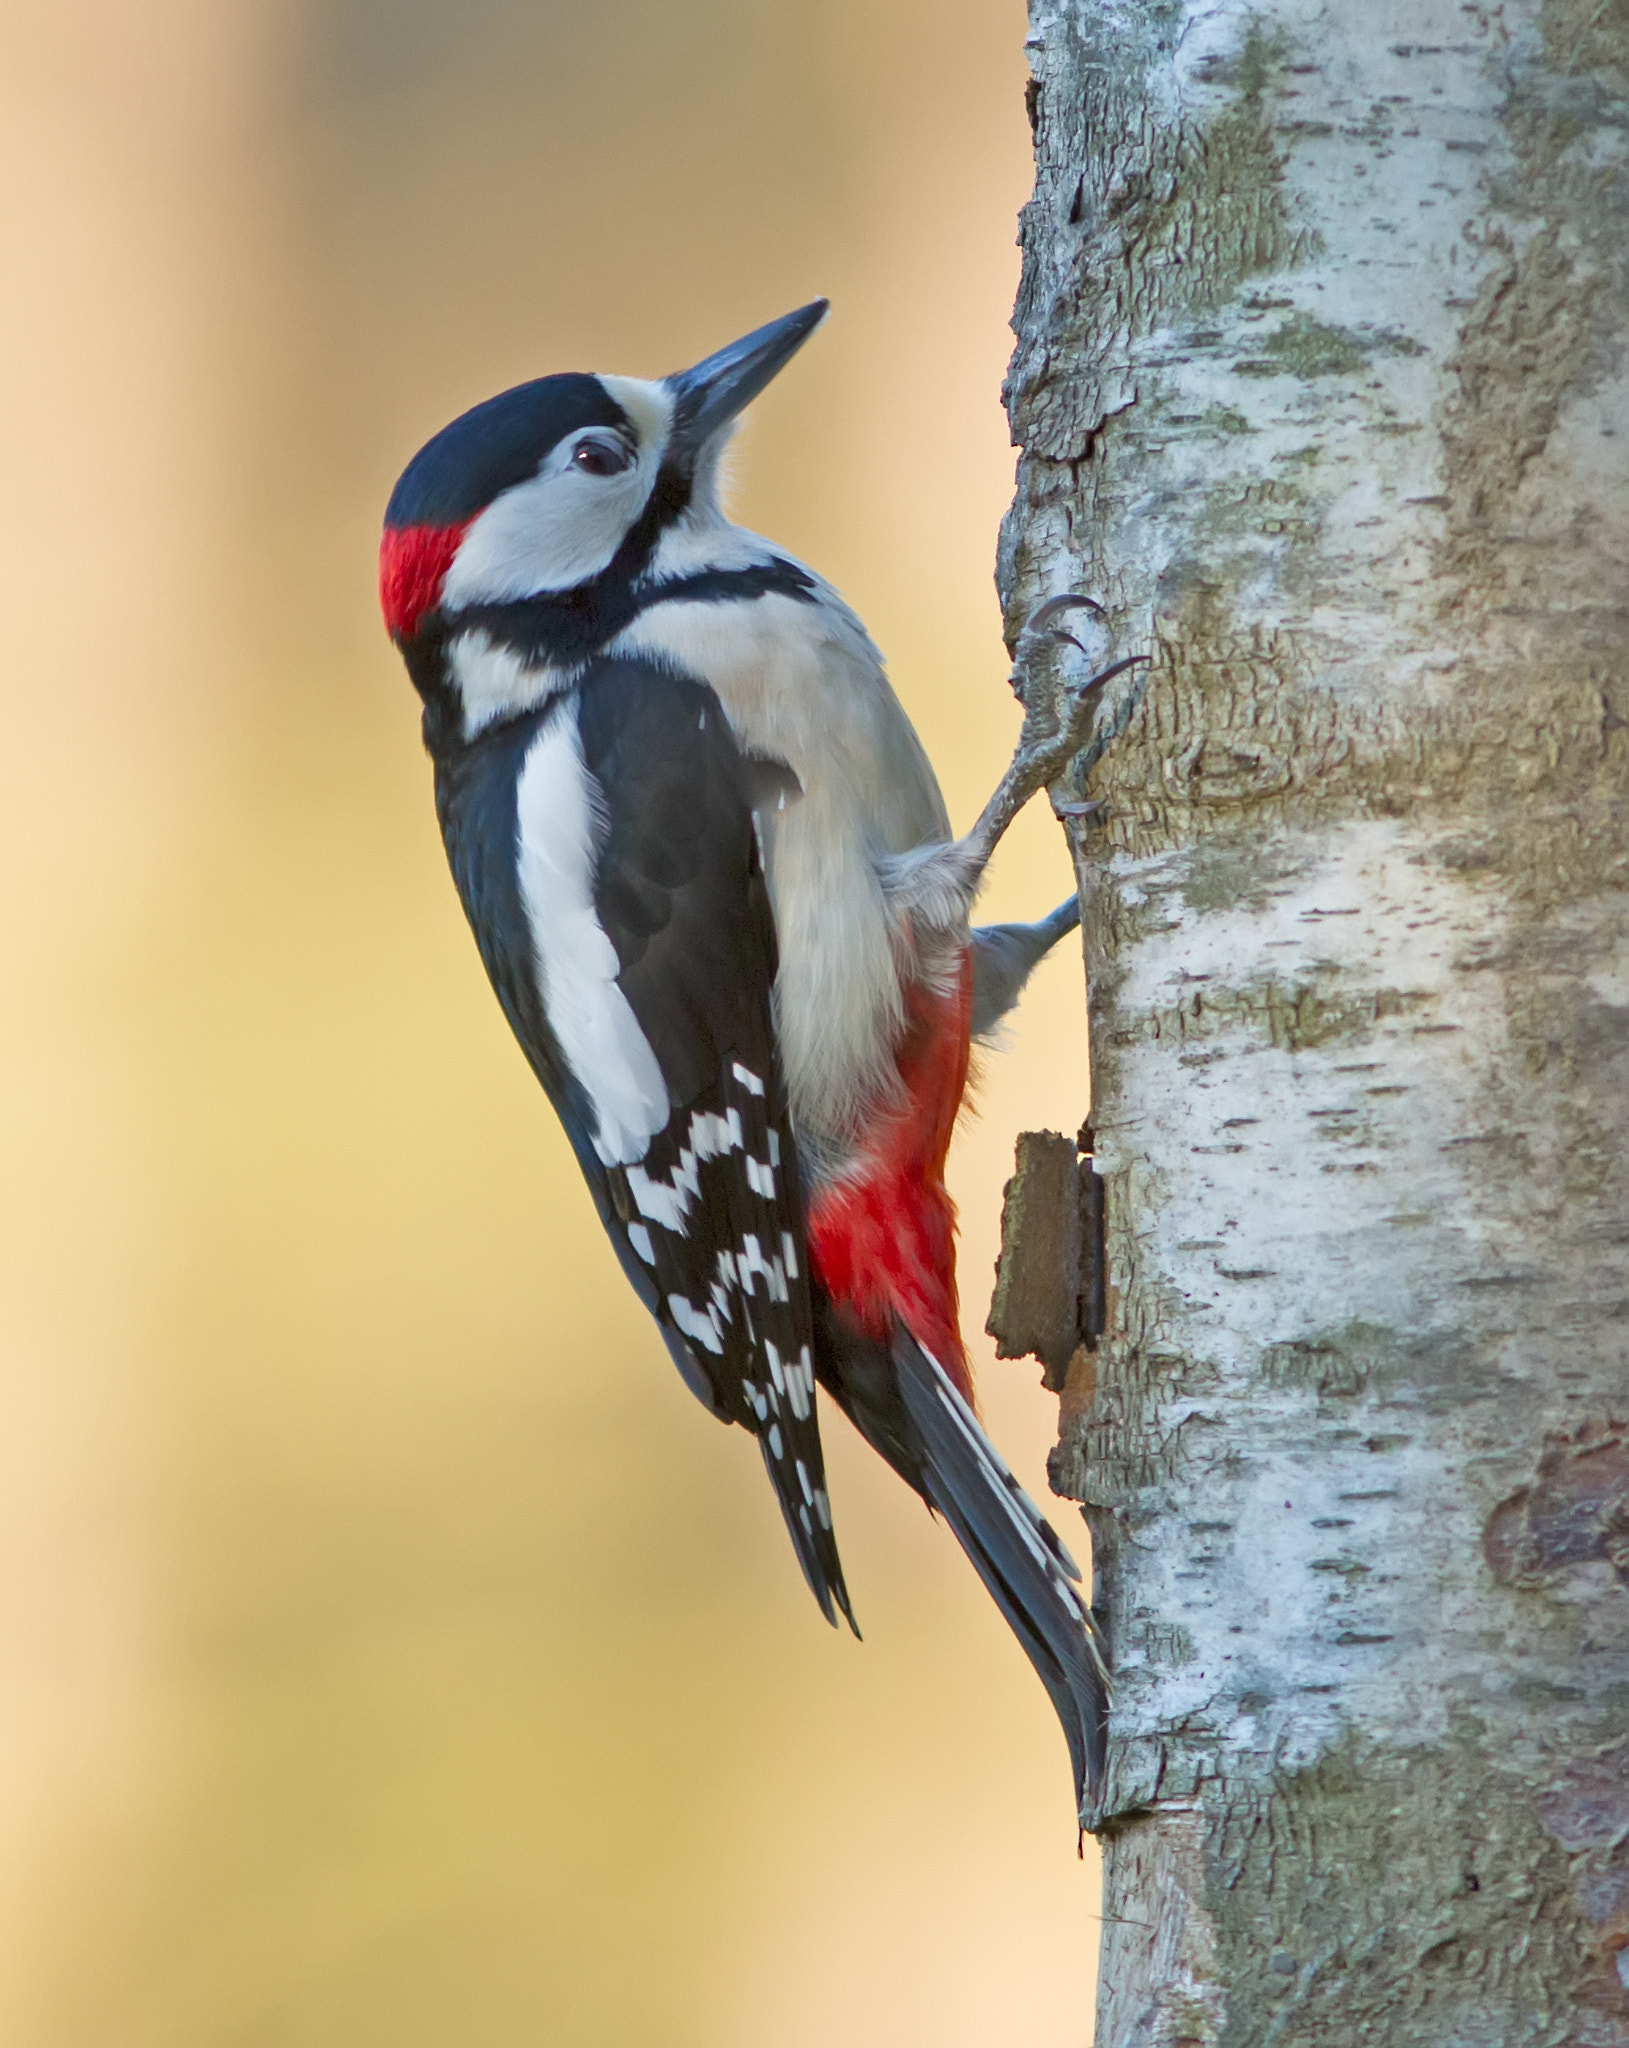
[558,824]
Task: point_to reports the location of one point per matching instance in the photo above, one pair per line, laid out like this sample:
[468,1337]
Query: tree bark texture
[1320,387]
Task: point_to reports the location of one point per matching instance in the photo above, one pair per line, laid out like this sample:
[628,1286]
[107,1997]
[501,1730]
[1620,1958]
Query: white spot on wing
[639,1238]
[557,828]
[800,1386]
[668,1201]
[692,1323]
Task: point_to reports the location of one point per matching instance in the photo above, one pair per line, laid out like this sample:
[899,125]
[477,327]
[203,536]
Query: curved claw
[1061,725]
[1075,736]
[1039,625]
[1107,675]
[1053,606]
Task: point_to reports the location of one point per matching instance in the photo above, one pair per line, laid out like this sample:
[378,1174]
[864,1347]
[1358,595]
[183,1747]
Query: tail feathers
[808,1522]
[1017,1554]
[1005,956]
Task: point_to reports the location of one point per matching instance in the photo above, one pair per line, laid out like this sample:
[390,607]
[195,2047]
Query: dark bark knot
[1585,1808]
[1575,1512]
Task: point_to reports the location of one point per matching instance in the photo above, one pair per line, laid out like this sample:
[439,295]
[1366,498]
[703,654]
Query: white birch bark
[1320,386]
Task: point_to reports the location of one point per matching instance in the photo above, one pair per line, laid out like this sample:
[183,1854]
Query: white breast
[802,681]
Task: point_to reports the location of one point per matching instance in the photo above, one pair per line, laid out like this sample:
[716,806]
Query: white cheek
[561,527]
[550,533]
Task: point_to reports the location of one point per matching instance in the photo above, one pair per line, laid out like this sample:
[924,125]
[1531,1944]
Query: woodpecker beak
[708,396]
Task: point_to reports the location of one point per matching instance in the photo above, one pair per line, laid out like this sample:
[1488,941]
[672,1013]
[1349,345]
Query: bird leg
[1061,719]
[933,886]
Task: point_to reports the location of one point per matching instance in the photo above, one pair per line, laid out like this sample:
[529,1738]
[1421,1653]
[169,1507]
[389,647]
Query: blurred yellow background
[391,1652]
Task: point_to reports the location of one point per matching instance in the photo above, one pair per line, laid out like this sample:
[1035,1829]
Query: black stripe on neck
[572,626]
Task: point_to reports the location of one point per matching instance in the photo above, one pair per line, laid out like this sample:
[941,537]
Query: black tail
[1017,1554]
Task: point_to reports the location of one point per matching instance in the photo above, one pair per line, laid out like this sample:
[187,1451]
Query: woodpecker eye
[602,458]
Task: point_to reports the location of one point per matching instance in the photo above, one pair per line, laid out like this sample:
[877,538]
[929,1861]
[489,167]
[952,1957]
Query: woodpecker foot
[1046,629]
[935,886]
[1060,722]
[1062,708]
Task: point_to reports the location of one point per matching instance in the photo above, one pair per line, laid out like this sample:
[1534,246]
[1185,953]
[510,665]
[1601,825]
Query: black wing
[714,1209]
[709,1223]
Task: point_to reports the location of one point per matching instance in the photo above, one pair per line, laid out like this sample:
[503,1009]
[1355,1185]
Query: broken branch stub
[1048,1299]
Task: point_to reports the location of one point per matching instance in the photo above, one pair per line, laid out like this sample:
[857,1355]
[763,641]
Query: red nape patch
[884,1244]
[412,562]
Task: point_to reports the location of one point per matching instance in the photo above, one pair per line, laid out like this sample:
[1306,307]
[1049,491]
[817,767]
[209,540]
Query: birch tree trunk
[1320,386]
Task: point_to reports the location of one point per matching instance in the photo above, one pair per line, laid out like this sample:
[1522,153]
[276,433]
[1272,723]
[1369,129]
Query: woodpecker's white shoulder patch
[558,832]
[495,682]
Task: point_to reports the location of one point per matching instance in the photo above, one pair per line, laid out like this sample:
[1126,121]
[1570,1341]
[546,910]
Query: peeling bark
[1320,386]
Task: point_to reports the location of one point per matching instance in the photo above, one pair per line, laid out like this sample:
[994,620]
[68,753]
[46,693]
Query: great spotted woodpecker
[713,881]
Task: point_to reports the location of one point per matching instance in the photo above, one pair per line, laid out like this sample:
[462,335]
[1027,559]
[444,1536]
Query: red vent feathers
[883,1241]
[412,562]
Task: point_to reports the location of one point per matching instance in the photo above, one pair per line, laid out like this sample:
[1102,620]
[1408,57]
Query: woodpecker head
[566,482]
